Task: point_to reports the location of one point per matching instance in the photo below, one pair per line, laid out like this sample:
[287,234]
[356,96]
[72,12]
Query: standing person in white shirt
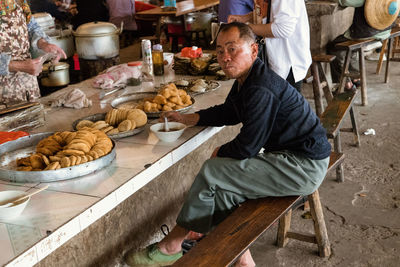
[287,39]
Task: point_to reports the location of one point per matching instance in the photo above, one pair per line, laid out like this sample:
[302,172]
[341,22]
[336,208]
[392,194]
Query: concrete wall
[136,222]
[327,20]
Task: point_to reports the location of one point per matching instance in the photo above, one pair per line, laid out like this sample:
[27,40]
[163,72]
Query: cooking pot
[55,75]
[196,21]
[95,40]
[199,21]
[63,39]
[45,21]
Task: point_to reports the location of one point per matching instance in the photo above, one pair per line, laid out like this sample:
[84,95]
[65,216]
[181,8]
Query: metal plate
[137,97]
[24,146]
[102,116]
[211,86]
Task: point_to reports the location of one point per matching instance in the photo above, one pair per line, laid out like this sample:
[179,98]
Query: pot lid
[44,19]
[96,28]
[54,67]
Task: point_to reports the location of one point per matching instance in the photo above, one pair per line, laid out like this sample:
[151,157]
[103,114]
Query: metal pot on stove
[64,39]
[95,40]
[54,75]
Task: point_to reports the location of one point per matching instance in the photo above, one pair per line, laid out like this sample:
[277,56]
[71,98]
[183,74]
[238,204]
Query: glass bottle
[158,60]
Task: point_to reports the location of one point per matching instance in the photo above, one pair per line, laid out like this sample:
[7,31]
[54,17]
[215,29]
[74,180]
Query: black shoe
[187,245]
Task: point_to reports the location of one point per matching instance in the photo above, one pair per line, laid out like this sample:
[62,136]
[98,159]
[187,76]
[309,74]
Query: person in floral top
[20,35]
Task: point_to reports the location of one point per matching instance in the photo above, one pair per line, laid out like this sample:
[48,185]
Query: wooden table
[182,8]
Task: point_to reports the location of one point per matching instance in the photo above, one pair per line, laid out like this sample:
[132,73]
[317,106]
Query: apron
[15,41]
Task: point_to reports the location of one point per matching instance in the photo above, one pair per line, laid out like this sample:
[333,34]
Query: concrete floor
[362,214]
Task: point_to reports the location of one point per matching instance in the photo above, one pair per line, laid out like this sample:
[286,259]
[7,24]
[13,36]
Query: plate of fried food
[47,157]
[116,123]
[168,98]
[197,86]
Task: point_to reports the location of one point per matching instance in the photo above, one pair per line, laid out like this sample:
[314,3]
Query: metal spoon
[166,126]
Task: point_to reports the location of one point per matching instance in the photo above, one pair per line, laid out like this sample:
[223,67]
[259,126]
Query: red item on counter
[191,52]
[9,136]
[75,57]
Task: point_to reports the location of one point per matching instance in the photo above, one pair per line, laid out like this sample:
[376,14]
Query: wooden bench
[332,119]
[355,46]
[232,237]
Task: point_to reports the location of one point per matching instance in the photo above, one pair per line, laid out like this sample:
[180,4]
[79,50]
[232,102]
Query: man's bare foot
[246,260]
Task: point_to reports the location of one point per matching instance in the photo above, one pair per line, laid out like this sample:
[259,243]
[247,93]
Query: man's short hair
[245,31]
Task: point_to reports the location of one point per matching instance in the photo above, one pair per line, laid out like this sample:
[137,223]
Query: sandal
[151,257]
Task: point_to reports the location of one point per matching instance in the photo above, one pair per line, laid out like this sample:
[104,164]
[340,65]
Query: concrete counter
[89,220]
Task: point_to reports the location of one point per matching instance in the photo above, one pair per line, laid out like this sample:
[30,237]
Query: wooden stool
[355,46]
[325,84]
[391,46]
[197,38]
[175,41]
[320,236]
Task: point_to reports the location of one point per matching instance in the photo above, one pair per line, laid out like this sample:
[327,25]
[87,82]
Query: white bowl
[14,210]
[176,130]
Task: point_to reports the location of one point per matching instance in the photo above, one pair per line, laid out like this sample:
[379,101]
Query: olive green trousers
[223,183]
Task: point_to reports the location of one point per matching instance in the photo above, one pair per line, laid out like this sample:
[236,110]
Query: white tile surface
[48,210]
[28,258]
[97,210]
[67,207]
[56,239]
[136,156]
[98,184]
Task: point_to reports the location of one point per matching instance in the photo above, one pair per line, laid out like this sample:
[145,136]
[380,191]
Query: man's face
[235,55]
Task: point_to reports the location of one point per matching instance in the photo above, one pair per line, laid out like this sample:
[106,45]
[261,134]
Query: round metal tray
[102,116]
[211,86]
[24,146]
[140,96]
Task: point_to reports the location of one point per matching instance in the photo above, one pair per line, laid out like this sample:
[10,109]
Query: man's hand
[187,119]
[30,66]
[215,152]
[241,18]
[52,48]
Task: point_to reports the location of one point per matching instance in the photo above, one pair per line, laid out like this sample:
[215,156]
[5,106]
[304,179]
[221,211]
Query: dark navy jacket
[274,116]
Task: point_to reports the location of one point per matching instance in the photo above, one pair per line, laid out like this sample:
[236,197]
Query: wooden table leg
[363,77]
[389,53]
[382,53]
[317,89]
[345,71]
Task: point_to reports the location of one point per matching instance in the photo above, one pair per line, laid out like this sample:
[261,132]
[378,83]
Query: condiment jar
[158,60]
[136,67]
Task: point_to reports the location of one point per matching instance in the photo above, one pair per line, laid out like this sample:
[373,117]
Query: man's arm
[35,34]
[284,19]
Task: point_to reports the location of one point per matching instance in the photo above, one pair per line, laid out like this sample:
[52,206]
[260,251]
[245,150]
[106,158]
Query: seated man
[275,117]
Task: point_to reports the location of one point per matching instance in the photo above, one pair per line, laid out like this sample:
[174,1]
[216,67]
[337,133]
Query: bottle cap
[157,47]
[134,63]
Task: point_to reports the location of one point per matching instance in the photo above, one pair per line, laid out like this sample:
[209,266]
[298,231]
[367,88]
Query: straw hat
[380,14]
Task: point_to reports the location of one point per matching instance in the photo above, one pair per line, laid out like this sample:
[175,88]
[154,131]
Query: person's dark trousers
[290,79]
[338,62]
